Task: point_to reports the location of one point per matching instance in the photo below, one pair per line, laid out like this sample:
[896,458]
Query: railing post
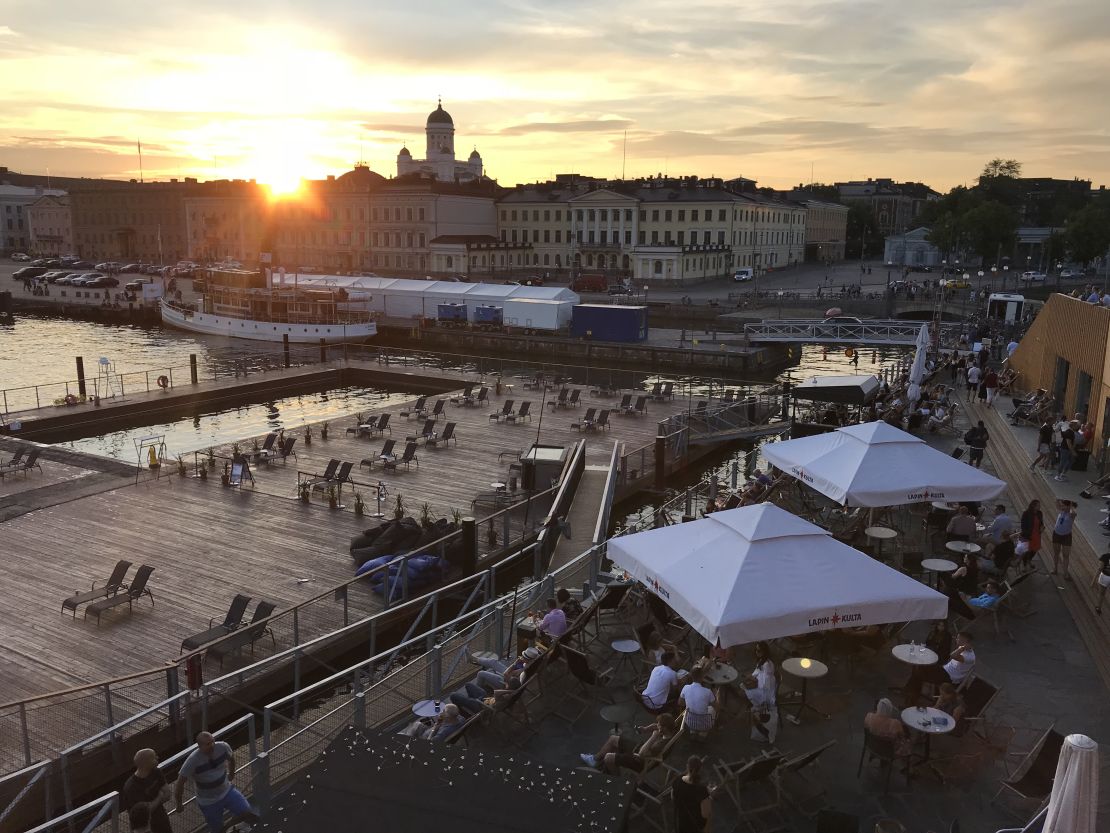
[172,690]
[108,711]
[358,713]
[25,733]
[261,776]
[436,681]
[296,683]
[193,368]
[296,626]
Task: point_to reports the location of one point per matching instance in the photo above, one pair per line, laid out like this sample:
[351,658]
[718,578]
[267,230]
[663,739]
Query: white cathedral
[439,158]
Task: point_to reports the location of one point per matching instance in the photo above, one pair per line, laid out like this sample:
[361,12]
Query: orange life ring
[163,382]
[70,399]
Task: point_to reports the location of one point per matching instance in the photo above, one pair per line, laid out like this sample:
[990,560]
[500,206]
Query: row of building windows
[667,215]
[8,209]
[604,237]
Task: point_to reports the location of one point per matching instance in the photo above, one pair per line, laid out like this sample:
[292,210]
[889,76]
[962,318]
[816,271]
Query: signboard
[152,291]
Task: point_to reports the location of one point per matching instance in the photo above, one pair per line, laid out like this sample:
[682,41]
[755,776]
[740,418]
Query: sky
[781,92]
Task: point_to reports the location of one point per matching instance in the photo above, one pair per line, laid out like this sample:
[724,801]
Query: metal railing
[868,332]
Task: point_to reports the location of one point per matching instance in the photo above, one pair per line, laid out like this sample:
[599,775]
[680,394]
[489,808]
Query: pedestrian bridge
[871,332]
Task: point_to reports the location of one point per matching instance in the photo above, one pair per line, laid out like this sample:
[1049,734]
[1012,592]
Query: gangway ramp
[872,332]
[587,521]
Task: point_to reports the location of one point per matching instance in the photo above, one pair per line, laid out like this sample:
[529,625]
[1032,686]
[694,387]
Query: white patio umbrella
[875,464]
[759,572]
[917,369]
[1073,805]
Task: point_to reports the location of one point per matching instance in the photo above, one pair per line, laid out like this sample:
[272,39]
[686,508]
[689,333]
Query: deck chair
[286,449]
[320,481]
[603,420]
[408,458]
[590,682]
[446,437]
[625,403]
[460,733]
[521,414]
[506,409]
[560,401]
[656,391]
[792,781]
[437,411]
[609,605]
[385,454]
[30,462]
[247,635]
[382,426]
[1035,774]
[737,776]
[585,422]
[573,401]
[653,787]
[113,585]
[416,409]
[232,620]
[641,406]
[428,430]
[483,396]
[668,391]
[133,594]
[344,473]
[15,459]
[464,397]
[268,444]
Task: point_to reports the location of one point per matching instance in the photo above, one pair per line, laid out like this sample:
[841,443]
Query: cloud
[581,126]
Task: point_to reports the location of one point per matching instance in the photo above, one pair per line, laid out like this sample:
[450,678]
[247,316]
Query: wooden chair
[885,751]
[737,776]
[792,772]
[590,683]
[1034,776]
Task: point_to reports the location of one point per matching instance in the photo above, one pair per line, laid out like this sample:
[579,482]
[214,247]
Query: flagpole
[139,142]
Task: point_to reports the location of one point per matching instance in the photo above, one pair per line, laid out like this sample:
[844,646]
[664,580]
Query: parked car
[589,283]
[131,268]
[81,264]
[20,257]
[102,282]
[135,286]
[619,289]
[742,275]
[29,272]
[84,279]
[1070,274]
[918,268]
[1033,276]
[57,276]
[956,283]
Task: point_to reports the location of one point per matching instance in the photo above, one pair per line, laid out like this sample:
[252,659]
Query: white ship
[242,304]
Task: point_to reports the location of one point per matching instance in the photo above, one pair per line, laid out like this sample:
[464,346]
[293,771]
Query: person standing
[146,791]
[959,375]
[973,377]
[1044,445]
[1102,579]
[976,439]
[1061,536]
[990,383]
[211,768]
[1067,450]
[693,806]
[1032,525]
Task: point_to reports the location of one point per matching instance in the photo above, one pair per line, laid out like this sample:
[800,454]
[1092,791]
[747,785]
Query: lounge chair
[30,462]
[429,430]
[232,620]
[113,585]
[344,474]
[464,397]
[625,403]
[573,401]
[15,459]
[446,437]
[416,409]
[521,414]
[381,426]
[506,409]
[246,635]
[483,396]
[586,422]
[407,458]
[385,454]
[1035,774]
[133,594]
[641,406]
[268,445]
[735,776]
[603,420]
[321,480]
[560,401]
[285,450]
[656,391]
[437,411]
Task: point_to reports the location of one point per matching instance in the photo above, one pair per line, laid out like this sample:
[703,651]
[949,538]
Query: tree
[862,231]
[1001,167]
[989,228]
[1087,234]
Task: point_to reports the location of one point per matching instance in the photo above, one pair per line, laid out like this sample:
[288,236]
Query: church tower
[440,132]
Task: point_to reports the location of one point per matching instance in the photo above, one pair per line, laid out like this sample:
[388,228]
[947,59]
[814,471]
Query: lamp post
[980,274]
[994,276]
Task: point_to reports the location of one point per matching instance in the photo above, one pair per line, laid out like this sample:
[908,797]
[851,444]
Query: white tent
[760,572]
[876,464]
[1073,804]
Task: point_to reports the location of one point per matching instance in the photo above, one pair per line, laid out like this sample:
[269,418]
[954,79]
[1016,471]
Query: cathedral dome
[440,116]
[405,152]
[475,155]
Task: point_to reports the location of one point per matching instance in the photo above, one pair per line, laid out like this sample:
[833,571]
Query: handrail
[106,803]
[607,493]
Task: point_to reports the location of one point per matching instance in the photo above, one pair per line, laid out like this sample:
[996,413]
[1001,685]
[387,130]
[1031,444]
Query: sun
[282,184]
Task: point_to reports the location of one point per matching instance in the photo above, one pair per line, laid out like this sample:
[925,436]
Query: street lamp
[980,275]
[994,275]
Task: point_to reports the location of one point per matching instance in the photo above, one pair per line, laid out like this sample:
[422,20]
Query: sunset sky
[770,91]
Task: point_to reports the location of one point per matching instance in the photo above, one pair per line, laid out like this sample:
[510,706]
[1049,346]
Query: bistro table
[427,708]
[805,669]
[929,722]
[915,654]
[880,534]
[720,674]
[937,566]
[962,547]
[628,649]
[618,713]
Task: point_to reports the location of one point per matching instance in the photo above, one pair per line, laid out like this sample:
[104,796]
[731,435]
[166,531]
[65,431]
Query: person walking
[1067,450]
[1061,536]
[990,383]
[959,375]
[1044,445]
[693,800]
[1032,526]
[145,793]
[211,768]
[973,377]
[976,439]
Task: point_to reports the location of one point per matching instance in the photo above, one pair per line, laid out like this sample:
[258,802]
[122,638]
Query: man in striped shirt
[211,767]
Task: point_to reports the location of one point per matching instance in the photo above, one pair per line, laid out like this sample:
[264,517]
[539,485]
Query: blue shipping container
[451,312]
[487,314]
[610,322]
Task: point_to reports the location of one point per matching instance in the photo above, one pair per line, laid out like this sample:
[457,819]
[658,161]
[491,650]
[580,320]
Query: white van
[741,275]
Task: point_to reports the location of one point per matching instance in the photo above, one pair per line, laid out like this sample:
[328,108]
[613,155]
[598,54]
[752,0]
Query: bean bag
[373,564]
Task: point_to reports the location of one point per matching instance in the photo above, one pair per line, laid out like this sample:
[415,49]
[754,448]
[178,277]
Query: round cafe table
[618,713]
[937,566]
[628,649]
[915,654]
[929,722]
[720,674]
[427,708]
[962,547]
[880,534]
[805,669]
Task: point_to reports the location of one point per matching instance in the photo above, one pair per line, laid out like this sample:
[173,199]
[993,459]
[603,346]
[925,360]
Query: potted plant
[225,478]
[211,458]
[456,517]
[426,516]
[333,498]
[308,435]
[306,492]
[203,471]
[399,508]
[360,504]
[256,446]
[324,431]
[181,470]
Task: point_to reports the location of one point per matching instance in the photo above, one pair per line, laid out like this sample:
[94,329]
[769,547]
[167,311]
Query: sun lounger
[625,403]
[641,406]
[428,430]
[30,462]
[232,620]
[586,422]
[506,409]
[446,437]
[559,401]
[464,397]
[246,635]
[133,594]
[285,450]
[602,420]
[113,585]
[385,454]
[15,459]
[416,409]
[483,396]
[319,481]
[437,411]
[521,414]
[267,445]
[407,458]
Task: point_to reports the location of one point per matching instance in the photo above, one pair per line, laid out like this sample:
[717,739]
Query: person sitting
[1000,557]
[990,597]
[655,647]
[445,724]
[950,701]
[938,417]
[955,670]
[964,578]
[1001,527]
[962,525]
[616,753]
[661,691]
[498,674]
[571,607]
[553,625]
[886,722]
[696,699]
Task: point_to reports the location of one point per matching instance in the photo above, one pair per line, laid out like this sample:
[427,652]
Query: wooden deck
[207,543]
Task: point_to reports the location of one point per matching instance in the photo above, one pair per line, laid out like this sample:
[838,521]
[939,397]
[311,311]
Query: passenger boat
[249,305]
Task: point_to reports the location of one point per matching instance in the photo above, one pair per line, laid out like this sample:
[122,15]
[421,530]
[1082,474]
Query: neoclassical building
[439,156]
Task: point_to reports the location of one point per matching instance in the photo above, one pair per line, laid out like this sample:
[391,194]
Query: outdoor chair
[603,420]
[729,397]
[656,391]
[1013,603]
[585,422]
[232,620]
[408,458]
[416,409]
[483,396]
[698,725]
[246,635]
[344,474]
[113,585]
[286,450]
[884,750]
[625,403]
[428,430]
[1034,776]
[573,401]
[15,459]
[521,414]
[738,776]
[609,604]
[506,409]
[382,426]
[668,391]
[321,481]
[464,397]
[460,733]
[385,454]
[653,788]
[560,401]
[792,781]
[268,445]
[589,682]
[446,437]
[30,462]
[437,411]
[133,594]
[640,407]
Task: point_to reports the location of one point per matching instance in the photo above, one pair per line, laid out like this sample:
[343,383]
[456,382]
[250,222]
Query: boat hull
[222,325]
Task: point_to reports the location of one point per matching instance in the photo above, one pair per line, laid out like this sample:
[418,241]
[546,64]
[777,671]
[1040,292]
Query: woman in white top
[760,687]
